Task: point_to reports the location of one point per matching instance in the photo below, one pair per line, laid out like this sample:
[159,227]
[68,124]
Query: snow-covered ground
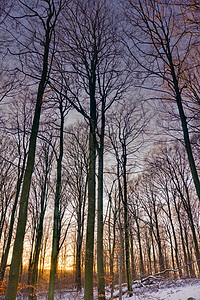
[180,289]
[172,290]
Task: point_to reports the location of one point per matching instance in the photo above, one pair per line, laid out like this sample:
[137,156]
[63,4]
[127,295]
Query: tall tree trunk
[184,125]
[112,245]
[89,254]
[109,244]
[172,250]
[133,268]
[78,263]
[100,256]
[126,222]
[121,263]
[196,246]
[161,260]
[56,225]
[30,265]
[142,272]
[181,232]
[192,272]
[78,249]
[4,258]
[121,257]
[18,245]
[174,233]
[34,271]
[153,246]
[80,218]
[148,252]
[191,222]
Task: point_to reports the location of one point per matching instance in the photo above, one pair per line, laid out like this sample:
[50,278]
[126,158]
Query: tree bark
[12,220]
[100,256]
[34,271]
[89,254]
[57,221]
[140,248]
[184,125]
[88,284]
[158,240]
[181,232]
[126,223]
[18,245]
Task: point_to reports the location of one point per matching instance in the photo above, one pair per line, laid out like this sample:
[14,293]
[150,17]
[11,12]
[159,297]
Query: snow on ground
[181,289]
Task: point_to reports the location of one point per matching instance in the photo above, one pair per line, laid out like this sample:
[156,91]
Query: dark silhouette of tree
[47,15]
[162,44]
[91,53]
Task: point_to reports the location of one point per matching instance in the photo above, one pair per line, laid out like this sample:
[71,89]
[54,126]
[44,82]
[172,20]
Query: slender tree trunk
[30,265]
[196,246]
[56,225]
[191,222]
[148,252]
[4,258]
[161,260]
[109,244]
[18,245]
[34,272]
[112,260]
[37,249]
[133,268]
[43,252]
[142,272]
[126,223]
[78,264]
[89,254]
[181,232]
[184,126]
[153,246]
[192,272]
[100,256]
[174,233]
[78,254]
[172,250]
[112,245]
[121,257]
[121,264]
[80,217]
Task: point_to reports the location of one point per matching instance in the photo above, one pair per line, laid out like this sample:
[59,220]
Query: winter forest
[99,146]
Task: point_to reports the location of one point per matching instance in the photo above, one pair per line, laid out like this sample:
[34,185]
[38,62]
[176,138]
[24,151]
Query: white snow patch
[173,290]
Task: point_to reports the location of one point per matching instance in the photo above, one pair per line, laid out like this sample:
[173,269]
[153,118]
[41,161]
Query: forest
[99,146]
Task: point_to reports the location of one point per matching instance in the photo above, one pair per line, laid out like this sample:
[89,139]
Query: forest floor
[179,289]
[169,289]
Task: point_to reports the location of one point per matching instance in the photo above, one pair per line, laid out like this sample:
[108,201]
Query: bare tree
[42,180]
[163,43]
[91,52]
[47,14]
[125,133]
[63,111]
[76,165]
